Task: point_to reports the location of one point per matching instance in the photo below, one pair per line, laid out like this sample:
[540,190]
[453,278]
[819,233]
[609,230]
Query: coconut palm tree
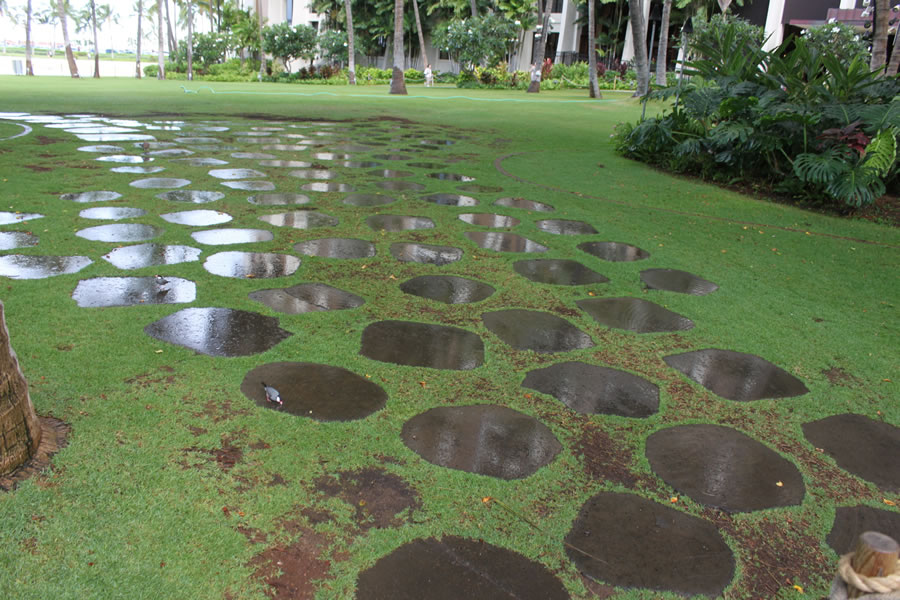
[29,51]
[190,40]
[543,21]
[161,73]
[421,37]
[880,34]
[351,50]
[398,83]
[592,52]
[62,8]
[140,20]
[639,34]
[663,52]
[262,51]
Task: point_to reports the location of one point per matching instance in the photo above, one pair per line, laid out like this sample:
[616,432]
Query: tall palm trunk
[61,6]
[639,35]
[880,34]
[894,64]
[421,37]
[398,83]
[262,52]
[173,45]
[190,41]
[474,8]
[29,51]
[96,44]
[592,52]
[663,52]
[140,19]
[351,50]
[544,20]
[161,73]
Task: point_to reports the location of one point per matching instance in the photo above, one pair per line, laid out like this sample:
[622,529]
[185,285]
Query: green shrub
[151,71]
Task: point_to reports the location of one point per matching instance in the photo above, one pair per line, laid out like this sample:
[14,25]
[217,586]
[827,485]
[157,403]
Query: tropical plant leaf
[877,117]
[821,168]
[881,153]
[856,187]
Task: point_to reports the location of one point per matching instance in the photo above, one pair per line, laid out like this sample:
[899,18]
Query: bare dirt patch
[292,570]
[838,376]
[378,497]
[604,459]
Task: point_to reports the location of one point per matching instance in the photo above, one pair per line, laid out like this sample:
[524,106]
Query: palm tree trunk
[140,19]
[880,34]
[96,44]
[29,69]
[398,83]
[592,52]
[639,35]
[544,20]
[663,52]
[262,53]
[894,63]
[190,41]
[161,73]
[474,8]
[170,36]
[421,37]
[351,50]
[61,6]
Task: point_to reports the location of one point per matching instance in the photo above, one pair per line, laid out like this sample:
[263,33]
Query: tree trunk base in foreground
[398,83]
[54,437]
[534,87]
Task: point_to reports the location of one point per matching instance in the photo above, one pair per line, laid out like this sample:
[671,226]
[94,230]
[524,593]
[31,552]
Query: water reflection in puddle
[503,242]
[450,200]
[300,219]
[558,272]
[224,237]
[677,281]
[219,331]
[398,222]
[125,158]
[9,240]
[253,156]
[614,251]
[112,213]
[200,162]
[278,199]
[19,266]
[477,188]
[447,289]
[390,173]
[535,330]
[422,345]
[336,248]
[359,164]
[124,232]
[138,170]
[450,177]
[319,186]
[236,173]
[131,291]
[400,186]
[171,152]
[488,220]
[7,218]
[250,186]
[424,253]
[151,255]
[307,297]
[255,265]
[159,183]
[285,164]
[197,218]
[313,174]
[565,227]
[103,149]
[634,314]
[524,204]
[191,196]
[100,196]
[368,200]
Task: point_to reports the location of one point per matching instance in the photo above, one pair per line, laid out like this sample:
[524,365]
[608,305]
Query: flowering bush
[838,39]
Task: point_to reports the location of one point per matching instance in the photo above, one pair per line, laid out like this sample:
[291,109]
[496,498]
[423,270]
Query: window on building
[289,10]
[557,6]
[314,25]
[443,55]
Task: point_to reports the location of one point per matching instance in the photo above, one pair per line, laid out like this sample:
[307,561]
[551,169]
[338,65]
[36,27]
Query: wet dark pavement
[634,314]
[448,289]
[132,291]
[307,297]
[422,345]
[219,331]
[535,330]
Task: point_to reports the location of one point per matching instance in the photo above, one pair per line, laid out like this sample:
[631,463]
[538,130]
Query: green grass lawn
[144,503]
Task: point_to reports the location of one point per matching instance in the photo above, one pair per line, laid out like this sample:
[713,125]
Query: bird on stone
[160,280]
[272,394]
[145,146]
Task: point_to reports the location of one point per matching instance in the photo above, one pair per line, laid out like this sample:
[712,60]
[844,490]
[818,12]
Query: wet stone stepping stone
[452,568]
[255,265]
[98,196]
[282,164]
[400,186]
[151,255]
[488,220]
[159,183]
[112,213]
[358,164]
[115,137]
[450,200]
[250,185]
[478,188]
[614,251]
[398,222]
[557,271]
[628,541]
[425,253]
[672,280]
[565,227]
[504,242]
[226,237]
[736,376]
[447,289]
[284,199]
[535,330]
[191,196]
[390,173]
[300,219]
[427,165]
[860,445]
[368,200]
[307,297]
[121,232]
[198,140]
[321,186]
[138,170]
[256,156]
[18,266]
[171,152]
[524,204]
[125,158]
[851,521]
[721,467]
[450,177]
[102,149]
[10,240]
[319,392]
[219,331]
[422,345]
[336,248]
[132,291]
[314,174]
[455,437]
[200,162]
[634,314]
[9,218]
[196,218]
[591,389]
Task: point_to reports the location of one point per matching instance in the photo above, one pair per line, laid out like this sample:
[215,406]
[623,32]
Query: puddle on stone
[485,439]
[307,297]
[253,133]
[368,200]
[450,200]
[131,291]
[151,255]
[283,147]
[454,567]
[171,152]
[319,392]
[224,237]
[9,240]
[191,196]
[198,140]
[392,156]
[447,288]
[120,232]
[450,177]
[427,165]
[565,227]
[300,219]
[252,265]
[197,218]
[219,331]
[112,213]
[627,541]
[125,158]
[723,468]
[358,164]
[851,521]
[159,183]
[200,162]
[400,186]
[336,248]
[535,330]
[422,345]
[634,314]
[488,220]
[104,149]
[436,142]
[425,253]
[477,188]
[250,185]
[736,376]
[8,218]
[99,129]
[524,204]
[861,446]
[101,196]
[398,222]
[591,389]
[330,156]
[314,174]
[236,173]
[321,186]
[278,199]
[114,137]
[614,251]
[253,156]
[390,173]
[157,146]
[558,271]
[504,242]
[673,280]
[285,164]
[138,170]
[19,266]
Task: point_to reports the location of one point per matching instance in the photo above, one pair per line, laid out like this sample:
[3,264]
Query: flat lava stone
[557,271]
[307,297]
[628,541]
[590,389]
[447,288]
[673,280]
[735,375]
[320,392]
[422,345]
[724,468]
[485,439]
[452,568]
[869,449]
[536,330]
[219,331]
[851,521]
[634,314]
